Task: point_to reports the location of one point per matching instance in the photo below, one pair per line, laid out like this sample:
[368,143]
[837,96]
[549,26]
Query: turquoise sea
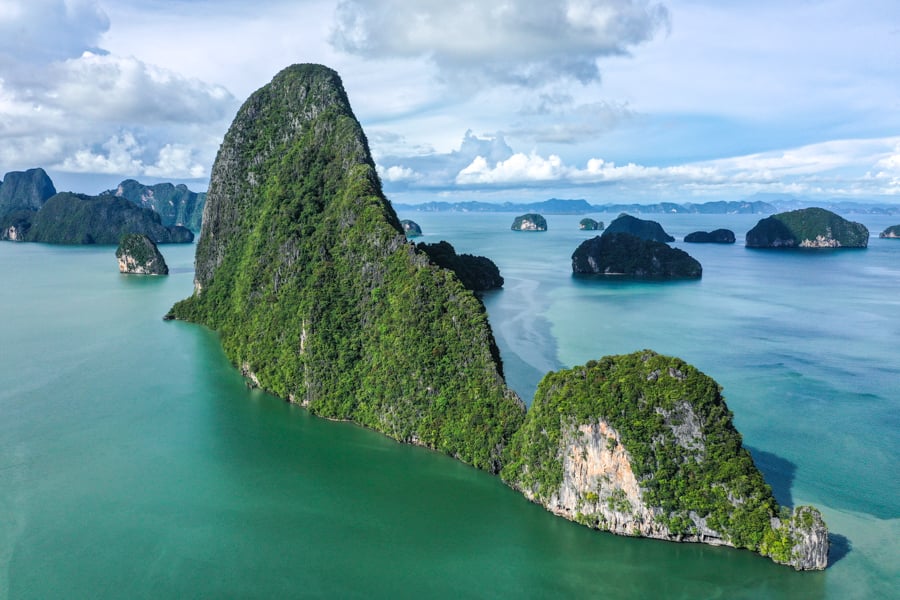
[135,462]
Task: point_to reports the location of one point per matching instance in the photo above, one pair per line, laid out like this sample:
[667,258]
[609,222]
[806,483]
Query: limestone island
[411,228]
[626,255]
[588,224]
[139,255]
[716,236]
[807,228]
[529,222]
[892,232]
[642,228]
[477,273]
[32,211]
[303,269]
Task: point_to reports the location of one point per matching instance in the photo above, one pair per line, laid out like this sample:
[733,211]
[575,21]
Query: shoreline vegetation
[305,271]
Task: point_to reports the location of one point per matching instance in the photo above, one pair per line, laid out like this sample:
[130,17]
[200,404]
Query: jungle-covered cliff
[304,269]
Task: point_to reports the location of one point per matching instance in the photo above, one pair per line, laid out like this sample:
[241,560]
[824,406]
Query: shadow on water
[779,473]
[839,547]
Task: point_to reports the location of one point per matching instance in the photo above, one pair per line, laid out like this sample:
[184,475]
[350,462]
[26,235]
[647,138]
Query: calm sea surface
[135,463]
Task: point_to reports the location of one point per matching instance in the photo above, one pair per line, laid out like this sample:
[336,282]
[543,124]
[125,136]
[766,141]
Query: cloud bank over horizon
[642,99]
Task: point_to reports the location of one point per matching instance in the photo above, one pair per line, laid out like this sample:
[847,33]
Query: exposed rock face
[15,225]
[588,224]
[625,255]
[717,236]
[643,445]
[25,190]
[807,228]
[303,268]
[477,273]
[411,228]
[138,255]
[892,232]
[176,204]
[641,228]
[529,222]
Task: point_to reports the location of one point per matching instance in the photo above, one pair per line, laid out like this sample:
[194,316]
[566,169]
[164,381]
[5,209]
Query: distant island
[891,232]
[138,255]
[529,222]
[31,210]
[626,255]
[588,224]
[339,313]
[716,236]
[807,228]
[176,204]
[411,228]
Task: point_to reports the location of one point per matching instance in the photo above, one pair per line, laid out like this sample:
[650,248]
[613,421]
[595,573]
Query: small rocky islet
[411,228]
[139,255]
[370,329]
[892,232]
[716,236]
[588,224]
[529,222]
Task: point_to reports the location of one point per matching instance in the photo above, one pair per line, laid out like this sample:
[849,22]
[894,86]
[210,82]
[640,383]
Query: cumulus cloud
[525,42]
[69,106]
[835,167]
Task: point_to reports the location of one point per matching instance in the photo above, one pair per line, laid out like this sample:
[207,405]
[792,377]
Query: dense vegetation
[529,222]
[589,224]
[176,204]
[24,191]
[633,393]
[642,228]
[891,232]
[69,218]
[304,269]
[477,273]
[807,227]
[626,255]
[411,228]
[144,254]
[716,236]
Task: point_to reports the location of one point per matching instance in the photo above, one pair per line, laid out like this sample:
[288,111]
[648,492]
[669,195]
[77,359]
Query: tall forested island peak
[304,269]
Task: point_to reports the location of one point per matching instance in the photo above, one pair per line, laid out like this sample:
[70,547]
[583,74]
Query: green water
[135,463]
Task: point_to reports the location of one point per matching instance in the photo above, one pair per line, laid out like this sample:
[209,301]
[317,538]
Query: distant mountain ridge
[558,206]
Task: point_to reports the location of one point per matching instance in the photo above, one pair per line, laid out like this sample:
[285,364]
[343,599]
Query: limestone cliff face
[139,255]
[643,445]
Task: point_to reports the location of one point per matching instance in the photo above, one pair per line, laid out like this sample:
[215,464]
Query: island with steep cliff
[303,269]
[139,255]
[588,224]
[626,255]
[411,228]
[644,445]
[176,204]
[529,222]
[807,228]
[892,232]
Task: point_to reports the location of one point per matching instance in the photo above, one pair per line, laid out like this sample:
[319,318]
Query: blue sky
[608,100]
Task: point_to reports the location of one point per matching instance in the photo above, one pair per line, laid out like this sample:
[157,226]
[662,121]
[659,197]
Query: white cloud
[517,41]
[397,173]
[68,106]
[837,167]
